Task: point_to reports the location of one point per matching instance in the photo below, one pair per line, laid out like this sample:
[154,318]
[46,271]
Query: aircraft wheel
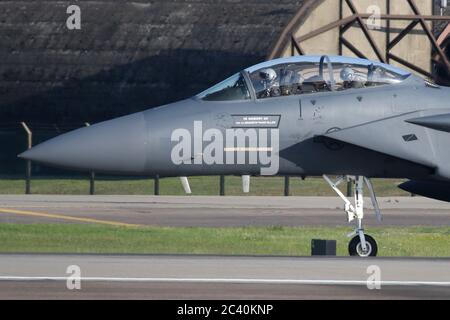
[355,248]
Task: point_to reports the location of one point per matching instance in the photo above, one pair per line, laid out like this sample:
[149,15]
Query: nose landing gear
[355,247]
[362,244]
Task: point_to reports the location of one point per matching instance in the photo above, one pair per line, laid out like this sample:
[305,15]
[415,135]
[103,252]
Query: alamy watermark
[236,147]
[374,279]
[73,22]
[74,279]
[374,21]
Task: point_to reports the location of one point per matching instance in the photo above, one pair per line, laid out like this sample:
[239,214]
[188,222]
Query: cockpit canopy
[304,75]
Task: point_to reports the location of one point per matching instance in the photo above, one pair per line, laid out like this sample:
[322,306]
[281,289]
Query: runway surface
[221,277]
[214,211]
[216,277]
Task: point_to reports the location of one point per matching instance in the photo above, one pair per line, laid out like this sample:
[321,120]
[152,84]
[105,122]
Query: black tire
[354,247]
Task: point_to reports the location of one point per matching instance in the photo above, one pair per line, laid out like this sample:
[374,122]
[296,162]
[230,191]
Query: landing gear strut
[361,244]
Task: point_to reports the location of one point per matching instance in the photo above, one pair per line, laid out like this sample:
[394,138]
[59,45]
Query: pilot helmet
[268,74]
[347,74]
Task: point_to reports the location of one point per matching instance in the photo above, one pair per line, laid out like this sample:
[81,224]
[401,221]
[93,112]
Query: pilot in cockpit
[350,79]
[270,83]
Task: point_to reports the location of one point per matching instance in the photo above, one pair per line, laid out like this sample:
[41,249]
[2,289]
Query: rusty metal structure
[438,56]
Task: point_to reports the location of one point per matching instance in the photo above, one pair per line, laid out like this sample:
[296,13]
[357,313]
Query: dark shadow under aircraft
[299,116]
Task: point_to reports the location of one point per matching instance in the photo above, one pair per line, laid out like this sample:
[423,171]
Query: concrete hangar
[130,55]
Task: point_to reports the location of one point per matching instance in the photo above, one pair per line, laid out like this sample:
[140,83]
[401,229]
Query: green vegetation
[80,238]
[260,186]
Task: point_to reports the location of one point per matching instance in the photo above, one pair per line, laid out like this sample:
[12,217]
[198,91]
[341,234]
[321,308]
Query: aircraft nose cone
[115,146]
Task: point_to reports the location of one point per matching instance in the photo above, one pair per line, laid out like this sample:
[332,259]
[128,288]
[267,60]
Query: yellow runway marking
[63,217]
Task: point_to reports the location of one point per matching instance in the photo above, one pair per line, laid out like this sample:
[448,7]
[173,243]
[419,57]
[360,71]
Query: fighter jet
[299,116]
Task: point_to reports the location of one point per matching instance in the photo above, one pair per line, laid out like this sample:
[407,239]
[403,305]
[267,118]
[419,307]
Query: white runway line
[231,281]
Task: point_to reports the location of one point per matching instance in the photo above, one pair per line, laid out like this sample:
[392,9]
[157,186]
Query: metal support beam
[353,18]
[366,31]
[28,165]
[388,30]
[156,185]
[410,65]
[352,48]
[91,175]
[345,23]
[402,34]
[295,46]
[430,34]
[405,17]
[92,184]
[341,31]
[287,191]
[326,28]
[222,186]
